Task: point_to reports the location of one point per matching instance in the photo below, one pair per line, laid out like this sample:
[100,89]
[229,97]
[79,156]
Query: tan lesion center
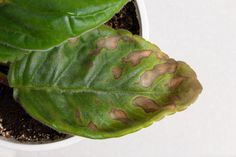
[73,41]
[135,57]
[109,43]
[176,81]
[117,72]
[149,77]
[117,114]
[146,104]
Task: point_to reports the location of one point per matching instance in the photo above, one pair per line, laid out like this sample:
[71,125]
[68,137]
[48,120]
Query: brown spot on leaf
[109,43]
[117,72]
[176,81]
[146,104]
[149,77]
[135,57]
[119,115]
[161,56]
[92,126]
[72,41]
[171,106]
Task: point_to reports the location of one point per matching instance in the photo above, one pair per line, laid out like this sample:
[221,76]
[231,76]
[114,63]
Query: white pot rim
[73,140]
[144,19]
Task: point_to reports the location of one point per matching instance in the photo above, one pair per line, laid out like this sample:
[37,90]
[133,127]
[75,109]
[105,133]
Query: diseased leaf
[42,24]
[105,84]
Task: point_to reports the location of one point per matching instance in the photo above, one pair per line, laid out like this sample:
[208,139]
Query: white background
[202,33]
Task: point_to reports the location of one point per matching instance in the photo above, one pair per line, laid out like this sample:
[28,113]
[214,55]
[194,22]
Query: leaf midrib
[81,90]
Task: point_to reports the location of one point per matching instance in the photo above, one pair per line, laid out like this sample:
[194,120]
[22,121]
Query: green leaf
[42,24]
[10,54]
[105,84]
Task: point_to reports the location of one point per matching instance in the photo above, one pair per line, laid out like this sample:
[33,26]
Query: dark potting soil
[126,19]
[16,124]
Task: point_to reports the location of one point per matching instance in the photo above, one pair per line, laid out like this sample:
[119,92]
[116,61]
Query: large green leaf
[105,84]
[42,24]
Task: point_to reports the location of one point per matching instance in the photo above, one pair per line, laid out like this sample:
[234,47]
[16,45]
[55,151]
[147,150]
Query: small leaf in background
[105,84]
[42,24]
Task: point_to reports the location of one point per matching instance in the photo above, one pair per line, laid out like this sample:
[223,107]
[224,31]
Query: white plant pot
[67,142]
